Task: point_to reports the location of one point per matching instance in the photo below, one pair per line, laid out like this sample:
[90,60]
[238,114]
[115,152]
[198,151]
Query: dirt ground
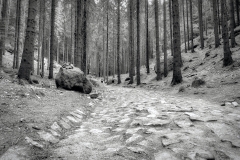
[26,109]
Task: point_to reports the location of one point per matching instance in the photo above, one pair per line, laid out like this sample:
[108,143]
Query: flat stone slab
[126,120]
[195,117]
[95,131]
[48,137]
[32,142]
[183,123]
[225,133]
[76,115]
[165,155]
[15,153]
[65,124]
[134,138]
[157,123]
[136,150]
[133,130]
[56,127]
[72,119]
[171,138]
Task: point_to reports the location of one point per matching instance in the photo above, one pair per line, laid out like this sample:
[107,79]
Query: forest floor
[150,121]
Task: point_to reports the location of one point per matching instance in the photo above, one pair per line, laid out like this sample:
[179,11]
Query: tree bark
[39,37]
[43,35]
[187,25]
[184,27]
[107,42]
[138,43]
[191,20]
[52,41]
[131,49]
[118,42]
[28,51]
[227,60]
[200,23]
[237,12]
[147,37]
[216,35]
[3,29]
[159,76]
[170,19]
[17,35]
[84,36]
[177,75]
[232,23]
[165,39]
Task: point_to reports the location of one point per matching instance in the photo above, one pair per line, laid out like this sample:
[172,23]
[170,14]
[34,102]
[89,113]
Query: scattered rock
[181,89]
[56,127]
[215,56]
[36,127]
[185,68]
[136,150]
[94,95]
[73,79]
[165,155]
[35,81]
[236,64]
[21,82]
[127,79]
[222,104]
[34,143]
[207,54]
[221,155]
[198,82]
[134,138]
[235,104]
[48,137]
[94,82]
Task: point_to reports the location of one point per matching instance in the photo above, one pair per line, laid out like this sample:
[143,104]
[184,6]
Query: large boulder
[72,78]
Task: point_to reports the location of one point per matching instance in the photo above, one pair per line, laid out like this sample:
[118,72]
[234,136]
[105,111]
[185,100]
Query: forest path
[145,124]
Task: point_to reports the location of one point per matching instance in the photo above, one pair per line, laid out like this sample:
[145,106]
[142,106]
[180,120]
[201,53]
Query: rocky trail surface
[135,123]
[141,124]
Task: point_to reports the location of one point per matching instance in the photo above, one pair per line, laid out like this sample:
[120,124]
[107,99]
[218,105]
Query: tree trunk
[170,19]
[177,75]
[187,25]
[28,52]
[17,35]
[227,60]
[114,59]
[53,8]
[104,58]
[237,12]
[131,49]
[43,34]
[165,39]
[232,23]
[107,43]
[39,37]
[219,19]
[191,20]
[118,42]
[159,76]
[184,27]
[217,41]
[84,36]
[200,23]
[138,42]
[3,29]
[147,41]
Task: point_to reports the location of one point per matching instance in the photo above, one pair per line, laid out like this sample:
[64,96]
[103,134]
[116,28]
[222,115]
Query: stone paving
[138,124]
